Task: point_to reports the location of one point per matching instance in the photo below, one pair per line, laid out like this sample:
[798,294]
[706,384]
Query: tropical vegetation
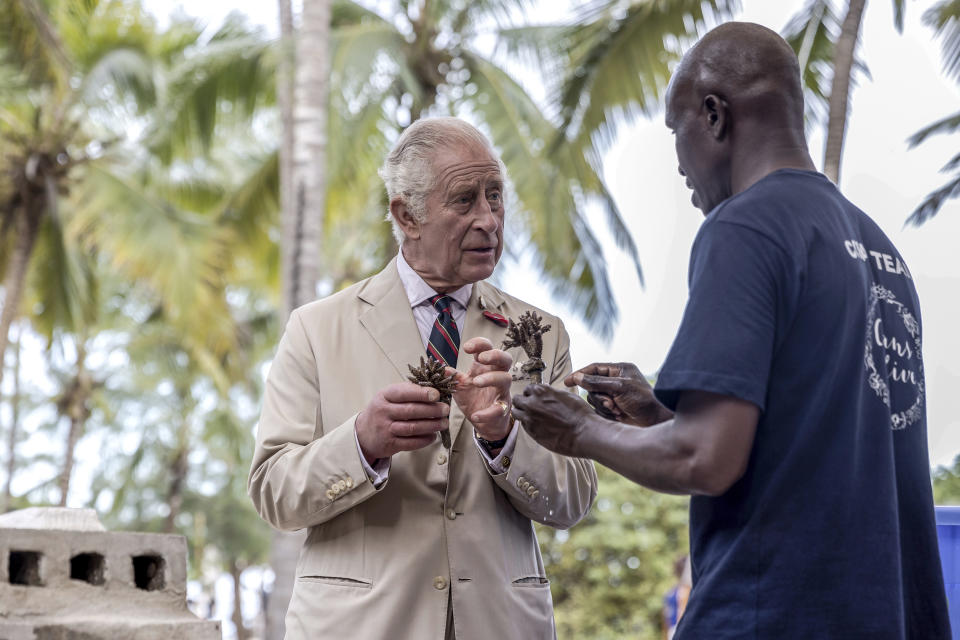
[169,191]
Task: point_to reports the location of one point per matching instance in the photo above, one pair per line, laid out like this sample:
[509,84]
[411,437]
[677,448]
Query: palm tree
[944,18]
[90,199]
[826,46]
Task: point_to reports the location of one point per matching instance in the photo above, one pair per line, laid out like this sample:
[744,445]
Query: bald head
[751,67]
[735,103]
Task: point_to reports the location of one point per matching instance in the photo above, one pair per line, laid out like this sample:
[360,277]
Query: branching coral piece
[430,373]
[527,334]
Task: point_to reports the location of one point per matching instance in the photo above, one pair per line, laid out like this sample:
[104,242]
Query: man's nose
[486,219]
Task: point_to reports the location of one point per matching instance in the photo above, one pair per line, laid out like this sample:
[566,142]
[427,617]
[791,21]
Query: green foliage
[390,68]
[946,484]
[610,572]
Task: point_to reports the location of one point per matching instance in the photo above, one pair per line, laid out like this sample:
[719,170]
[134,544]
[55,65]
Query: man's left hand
[483,393]
[555,419]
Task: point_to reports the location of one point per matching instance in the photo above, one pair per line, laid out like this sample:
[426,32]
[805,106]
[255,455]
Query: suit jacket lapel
[475,324]
[390,323]
[389,319]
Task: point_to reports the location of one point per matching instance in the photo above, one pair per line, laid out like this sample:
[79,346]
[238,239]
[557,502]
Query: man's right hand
[620,392]
[401,417]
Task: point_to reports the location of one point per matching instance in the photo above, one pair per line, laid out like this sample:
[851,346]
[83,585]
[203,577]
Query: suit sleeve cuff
[378,471]
[497,464]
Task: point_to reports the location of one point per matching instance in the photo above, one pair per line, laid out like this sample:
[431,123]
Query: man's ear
[718,113]
[405,218]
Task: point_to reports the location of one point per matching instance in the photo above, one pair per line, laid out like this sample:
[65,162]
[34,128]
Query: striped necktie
[444,343]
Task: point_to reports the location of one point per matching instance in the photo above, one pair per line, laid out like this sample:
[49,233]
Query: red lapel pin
[496,318]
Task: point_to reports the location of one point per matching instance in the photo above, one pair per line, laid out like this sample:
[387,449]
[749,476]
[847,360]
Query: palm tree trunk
[237,616]
[27,226]
[14,421]
[74,405]
[303,208]
[840,88]
[285,70]
[303,222]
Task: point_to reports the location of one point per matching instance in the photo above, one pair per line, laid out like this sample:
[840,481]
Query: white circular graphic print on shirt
[892,357]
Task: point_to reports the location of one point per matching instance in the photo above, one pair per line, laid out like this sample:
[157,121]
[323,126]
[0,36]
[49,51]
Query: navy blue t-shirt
[801,305]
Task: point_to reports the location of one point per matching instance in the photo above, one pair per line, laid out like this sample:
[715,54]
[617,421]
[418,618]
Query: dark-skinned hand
[618,391]
[555,419]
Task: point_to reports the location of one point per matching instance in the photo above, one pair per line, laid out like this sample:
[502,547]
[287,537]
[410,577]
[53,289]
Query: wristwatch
[490,445]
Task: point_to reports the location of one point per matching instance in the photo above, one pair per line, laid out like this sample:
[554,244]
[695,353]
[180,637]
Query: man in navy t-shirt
[792,403]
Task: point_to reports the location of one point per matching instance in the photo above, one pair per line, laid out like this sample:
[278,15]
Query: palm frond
[948,124]
[238,72]
[357,46]
[620,60]
[536,45]
[62,283]
[182,257]
[252,206]
[549,209]
[25,46]
[944,18]
[899,7]
[188,189]
[129,71]
[932,204]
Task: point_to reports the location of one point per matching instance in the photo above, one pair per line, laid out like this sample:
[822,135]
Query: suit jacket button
[451,514]
[343,485]
[442,458]
[330,494]
[535,494]
[439,583]
[335,487]
[349,483]
[530,490]
[520,481]
[505,462]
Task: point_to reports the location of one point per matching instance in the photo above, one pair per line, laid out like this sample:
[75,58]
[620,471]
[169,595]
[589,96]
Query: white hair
[408,171]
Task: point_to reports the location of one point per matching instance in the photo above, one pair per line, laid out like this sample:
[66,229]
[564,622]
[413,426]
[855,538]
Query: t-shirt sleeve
[739,281]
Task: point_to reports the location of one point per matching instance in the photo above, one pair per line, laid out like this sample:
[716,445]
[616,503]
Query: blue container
[948,536]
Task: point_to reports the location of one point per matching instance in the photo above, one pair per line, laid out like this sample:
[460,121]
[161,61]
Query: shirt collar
[418,291]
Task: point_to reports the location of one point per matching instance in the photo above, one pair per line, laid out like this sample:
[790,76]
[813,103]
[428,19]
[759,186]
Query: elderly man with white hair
[408,538]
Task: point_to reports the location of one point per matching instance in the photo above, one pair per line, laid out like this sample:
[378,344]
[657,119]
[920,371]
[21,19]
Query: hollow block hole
[148,572]
[24,568]
[88,567]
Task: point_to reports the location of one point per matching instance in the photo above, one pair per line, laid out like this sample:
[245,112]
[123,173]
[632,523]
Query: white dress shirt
[419,294]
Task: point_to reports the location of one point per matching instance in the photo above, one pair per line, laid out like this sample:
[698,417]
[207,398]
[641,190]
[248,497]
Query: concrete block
[89,584]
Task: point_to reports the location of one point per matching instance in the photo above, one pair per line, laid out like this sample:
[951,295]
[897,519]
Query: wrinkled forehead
[466,165]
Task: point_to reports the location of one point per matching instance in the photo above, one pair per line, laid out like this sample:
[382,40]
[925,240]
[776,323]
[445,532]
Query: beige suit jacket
[382,563]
